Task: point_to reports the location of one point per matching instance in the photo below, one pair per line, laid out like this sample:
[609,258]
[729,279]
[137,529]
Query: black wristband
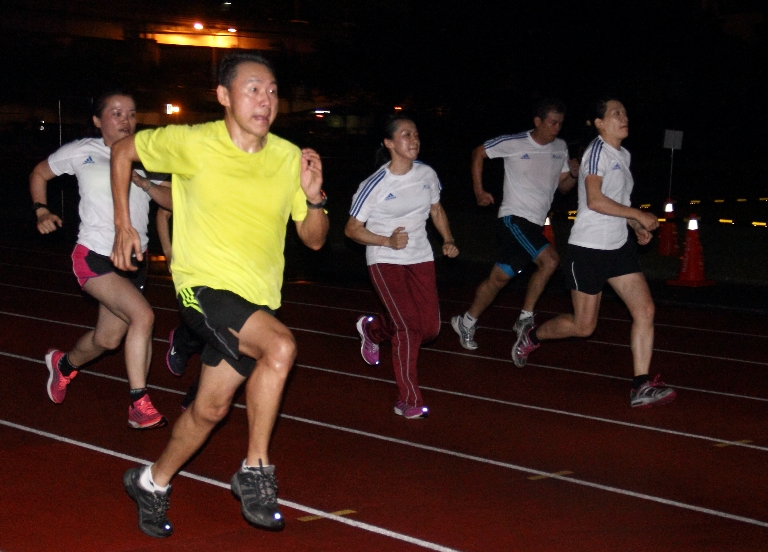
[318,205]
[36,206]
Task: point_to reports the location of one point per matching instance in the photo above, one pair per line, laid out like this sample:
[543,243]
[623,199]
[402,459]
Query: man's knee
[210,411]
[548,260]
[281,352]
[584,329]
[498,278]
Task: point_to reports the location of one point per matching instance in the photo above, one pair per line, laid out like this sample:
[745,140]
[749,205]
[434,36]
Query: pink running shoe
[57,382]
[411,412]
[143,415]
[368,348]
[522,348]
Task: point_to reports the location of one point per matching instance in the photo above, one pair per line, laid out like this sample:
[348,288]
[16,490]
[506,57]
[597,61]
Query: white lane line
[457,394]
[455,454]
[441,351]
[287,503]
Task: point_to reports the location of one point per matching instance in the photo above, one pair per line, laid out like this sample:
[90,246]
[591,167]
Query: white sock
[525,314]
[148,484]
[468,320]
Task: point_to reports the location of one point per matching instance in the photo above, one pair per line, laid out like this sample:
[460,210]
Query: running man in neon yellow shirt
[234,186]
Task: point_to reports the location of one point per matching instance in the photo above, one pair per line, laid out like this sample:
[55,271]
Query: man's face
[548,129]
[251,99]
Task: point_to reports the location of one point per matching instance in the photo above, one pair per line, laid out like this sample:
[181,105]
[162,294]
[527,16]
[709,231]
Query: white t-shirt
[88,160]
[387,201]
[531,174]
[593,229]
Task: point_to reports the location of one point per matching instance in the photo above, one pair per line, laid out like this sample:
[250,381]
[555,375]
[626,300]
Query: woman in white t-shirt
[599,251]
[389,214]
[123,310]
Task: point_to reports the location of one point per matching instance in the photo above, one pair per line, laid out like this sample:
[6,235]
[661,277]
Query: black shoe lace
[260,487]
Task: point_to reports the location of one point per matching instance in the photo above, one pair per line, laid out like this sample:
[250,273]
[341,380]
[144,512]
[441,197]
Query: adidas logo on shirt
[557,156]
[390,196]
[616,167]
[89,161]
[525,156]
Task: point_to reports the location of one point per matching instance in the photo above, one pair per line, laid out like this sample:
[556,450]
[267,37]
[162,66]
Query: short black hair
[599,107]
[228,65]
[100,104]
[546,106]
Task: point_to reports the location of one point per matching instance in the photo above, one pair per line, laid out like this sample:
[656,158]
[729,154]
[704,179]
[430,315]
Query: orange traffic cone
[548,232]
[668,240]
[692,264]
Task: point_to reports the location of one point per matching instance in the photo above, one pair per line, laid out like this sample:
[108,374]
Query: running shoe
[57,382]
[256,489]
[522,348]
[522,325]
[143,415]
[411,412]
[175,360]
[368,349]
[152,505]
[652,393]
[466,335]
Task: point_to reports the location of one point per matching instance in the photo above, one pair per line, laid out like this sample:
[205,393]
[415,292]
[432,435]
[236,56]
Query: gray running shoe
[256,488]
[152,505]
[522,348]
[523,325]
[652,393]
[466,335]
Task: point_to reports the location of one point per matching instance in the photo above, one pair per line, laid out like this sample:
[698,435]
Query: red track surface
[479,474]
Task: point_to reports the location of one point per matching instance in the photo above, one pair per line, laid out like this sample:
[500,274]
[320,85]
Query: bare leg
[125,303]
[579,324]
[487,291]
[633,290]
[546,262]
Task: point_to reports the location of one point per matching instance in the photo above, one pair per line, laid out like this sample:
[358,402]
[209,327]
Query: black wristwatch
[36,206]
[318,205]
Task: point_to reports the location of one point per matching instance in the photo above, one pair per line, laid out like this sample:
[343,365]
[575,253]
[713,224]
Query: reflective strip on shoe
[466,335]
[152,505]
[652,393]
[256,488]
[411,412]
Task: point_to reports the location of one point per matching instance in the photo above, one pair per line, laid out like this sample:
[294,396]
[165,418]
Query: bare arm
[569,179]
[440,220]
[160,193]
[356,230]
[47,222]
[598,202]
[478,157]
[313,229]
[162,221]
[127,242]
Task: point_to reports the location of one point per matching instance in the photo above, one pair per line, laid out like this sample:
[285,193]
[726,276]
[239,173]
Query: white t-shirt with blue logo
[88,160]
[596,230]
[531,174]
[387,201]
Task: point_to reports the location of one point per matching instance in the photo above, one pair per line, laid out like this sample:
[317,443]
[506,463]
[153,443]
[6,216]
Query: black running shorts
[211,314]
[587,270]
[520,242]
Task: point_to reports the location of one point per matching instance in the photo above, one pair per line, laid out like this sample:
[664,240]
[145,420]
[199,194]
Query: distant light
[759,224]
[170,109]
[695,201]
[319,116]
[662,220]
[719,201]
[693,224]
[398,108]
[741,200]
[232,30]
[322,111]
[726,221]
[571,218]
[764,199]
[198,26]
[645,206]
[668,208]
[572,212]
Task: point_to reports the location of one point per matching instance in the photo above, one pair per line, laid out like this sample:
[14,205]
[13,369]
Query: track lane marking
[287,503]
[548,476]
[339,513]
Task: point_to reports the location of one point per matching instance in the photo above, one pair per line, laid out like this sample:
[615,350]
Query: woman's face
[117,120]
[405,141]
[615,124]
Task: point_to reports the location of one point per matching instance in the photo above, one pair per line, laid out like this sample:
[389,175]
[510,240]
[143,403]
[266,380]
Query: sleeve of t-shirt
[299,206]
[364,200]
[497,147]
[594,160]
[168,149]
[434,187]
[566,166]
[60,160]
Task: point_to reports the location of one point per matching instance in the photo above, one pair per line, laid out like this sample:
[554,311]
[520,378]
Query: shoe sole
[402,413]
[359,326]
[455,326]
[49,365]
[128,484]
[235,488]
[661,402]
[161,423]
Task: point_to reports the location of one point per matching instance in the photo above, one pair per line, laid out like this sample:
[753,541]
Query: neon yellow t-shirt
[230,208]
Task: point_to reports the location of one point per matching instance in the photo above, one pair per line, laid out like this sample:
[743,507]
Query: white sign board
[673,139]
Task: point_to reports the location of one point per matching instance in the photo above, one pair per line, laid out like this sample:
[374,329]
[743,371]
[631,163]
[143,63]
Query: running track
[546,458]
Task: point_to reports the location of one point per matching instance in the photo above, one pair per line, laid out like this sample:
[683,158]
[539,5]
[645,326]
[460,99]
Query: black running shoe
[176,359]
[152,505]
[256,488]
